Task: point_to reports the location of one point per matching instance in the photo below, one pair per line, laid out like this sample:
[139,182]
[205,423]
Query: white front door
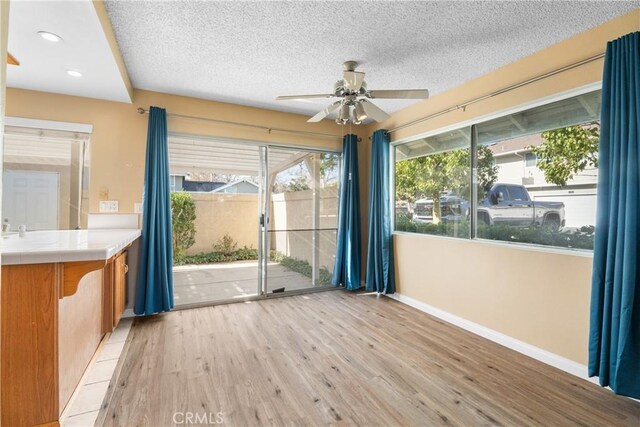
[31,198]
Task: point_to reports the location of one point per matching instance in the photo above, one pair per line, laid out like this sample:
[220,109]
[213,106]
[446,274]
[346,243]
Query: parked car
[508,204]
[452,208]
[403,207]
[511,204]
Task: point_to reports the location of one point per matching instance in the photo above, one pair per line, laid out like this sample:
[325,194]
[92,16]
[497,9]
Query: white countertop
[39,247]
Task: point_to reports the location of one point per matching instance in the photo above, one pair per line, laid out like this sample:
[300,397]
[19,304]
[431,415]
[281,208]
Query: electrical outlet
[137,208]
[109,206]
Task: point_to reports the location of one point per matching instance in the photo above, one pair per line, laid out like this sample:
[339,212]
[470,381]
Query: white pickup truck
[511,204]
[507,204]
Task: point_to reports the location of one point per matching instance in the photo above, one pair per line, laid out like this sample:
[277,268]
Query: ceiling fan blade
[373,112]
[353,80]
[288,97]
[399,94]
[324,113]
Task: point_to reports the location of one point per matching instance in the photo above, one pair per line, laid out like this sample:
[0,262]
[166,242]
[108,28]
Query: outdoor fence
[292,227]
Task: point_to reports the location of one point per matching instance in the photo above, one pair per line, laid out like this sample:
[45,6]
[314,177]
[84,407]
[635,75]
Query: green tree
[487,171]
[329,163]
[183,217]
[299,183]
[567,151]
[429,176]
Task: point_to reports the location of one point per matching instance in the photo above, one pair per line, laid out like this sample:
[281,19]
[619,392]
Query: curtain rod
[226,122]
[464,105]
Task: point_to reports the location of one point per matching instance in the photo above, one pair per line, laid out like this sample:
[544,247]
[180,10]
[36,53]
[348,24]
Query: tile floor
[86,405]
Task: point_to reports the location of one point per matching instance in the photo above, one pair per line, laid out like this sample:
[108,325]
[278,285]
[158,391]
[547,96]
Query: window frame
[472,123]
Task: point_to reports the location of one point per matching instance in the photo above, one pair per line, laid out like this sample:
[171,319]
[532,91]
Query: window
[552,200]
[530,160]
[536,173]
[433,184]
[518,193]
[45,179]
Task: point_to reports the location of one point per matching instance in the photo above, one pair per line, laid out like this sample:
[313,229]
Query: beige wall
[237,215]
[294,211]
[119,134]
[541,298]
[219,214]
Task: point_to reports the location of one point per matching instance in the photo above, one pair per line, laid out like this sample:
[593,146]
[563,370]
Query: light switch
[109,206]
[137,208]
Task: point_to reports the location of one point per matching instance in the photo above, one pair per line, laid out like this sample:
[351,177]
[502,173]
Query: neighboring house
[176,182]
[517,165]
[238,187]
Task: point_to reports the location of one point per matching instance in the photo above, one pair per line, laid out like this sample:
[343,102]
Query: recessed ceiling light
[74,73]
[50,36]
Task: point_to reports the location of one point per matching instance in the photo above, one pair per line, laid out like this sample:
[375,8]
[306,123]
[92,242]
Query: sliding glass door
[302,212]
[216,201]
[250,219]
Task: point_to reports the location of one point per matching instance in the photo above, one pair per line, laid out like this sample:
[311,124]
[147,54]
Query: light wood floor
[342,359]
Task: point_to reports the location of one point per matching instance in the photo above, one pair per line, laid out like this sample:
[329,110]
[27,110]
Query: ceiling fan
[354,105]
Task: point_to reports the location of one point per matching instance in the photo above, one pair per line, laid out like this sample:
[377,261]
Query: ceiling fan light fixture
[344,116]
[353,95]
[360,113]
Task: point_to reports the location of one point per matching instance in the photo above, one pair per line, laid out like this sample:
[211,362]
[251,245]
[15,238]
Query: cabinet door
[119,286]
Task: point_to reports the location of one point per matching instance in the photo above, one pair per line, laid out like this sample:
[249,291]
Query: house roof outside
[201,186]
[233,184]
[516,145]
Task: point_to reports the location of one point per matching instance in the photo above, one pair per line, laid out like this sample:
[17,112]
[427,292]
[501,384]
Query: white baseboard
[532,351]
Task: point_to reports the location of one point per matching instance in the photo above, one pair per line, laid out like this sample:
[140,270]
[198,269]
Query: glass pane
[545,164]
[433,184]
[568,112]
[215,212]
[46,179]
[303,219]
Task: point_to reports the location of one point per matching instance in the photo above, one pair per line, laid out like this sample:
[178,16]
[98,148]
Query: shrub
[245,253]
[276,256]
[183,217]
[226,245]
[249,253]
[580,239]
[304,268]
[445,228]
[538,236]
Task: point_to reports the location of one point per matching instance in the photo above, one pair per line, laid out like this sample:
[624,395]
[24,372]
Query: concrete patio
[193,284]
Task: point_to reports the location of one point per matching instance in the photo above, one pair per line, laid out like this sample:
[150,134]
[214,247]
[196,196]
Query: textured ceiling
[250,52]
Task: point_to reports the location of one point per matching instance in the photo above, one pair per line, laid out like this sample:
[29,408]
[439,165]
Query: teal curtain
[154,289]
[346,270]
[380,272]
[614,341]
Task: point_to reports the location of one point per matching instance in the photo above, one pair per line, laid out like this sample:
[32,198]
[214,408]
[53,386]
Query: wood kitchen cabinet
[54,314]
[114,291]
[119,286]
